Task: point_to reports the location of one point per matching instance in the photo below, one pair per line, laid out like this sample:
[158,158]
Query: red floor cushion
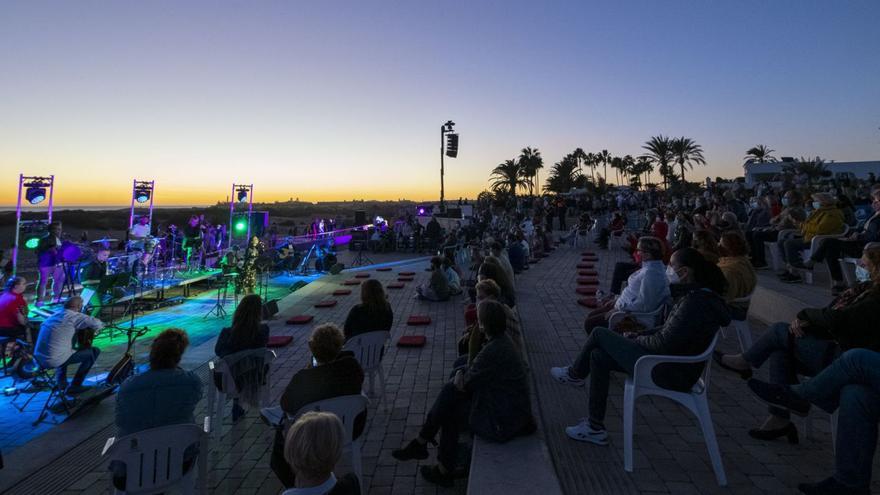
[587,280]
[299,319]
[589,273]
[329,303]
[590,259]
[587,291]
[584,272]
[589,302]
[585,265]
[412,341]
[341,292]
[384,269]
[396,285]
[406,274]
[405,279]
[588,253]
[418,320]
[279,341]
[362,275]
[352,282]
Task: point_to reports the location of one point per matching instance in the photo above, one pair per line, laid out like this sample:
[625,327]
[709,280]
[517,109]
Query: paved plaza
[670,455]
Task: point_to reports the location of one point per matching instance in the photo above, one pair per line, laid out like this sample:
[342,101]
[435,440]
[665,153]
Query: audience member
[312,448]
[437,287]
[738,270]
[14,309]
[55,345]
[372,314]
[826,218]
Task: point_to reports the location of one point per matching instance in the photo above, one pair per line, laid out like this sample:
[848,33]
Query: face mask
[862,274]
[671,276]
[785,201]
[816,205]
[754,205]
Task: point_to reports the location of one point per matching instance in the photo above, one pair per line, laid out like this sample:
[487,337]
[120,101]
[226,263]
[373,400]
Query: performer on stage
[141,229]
[91,277]
[49,264]
[192,242]
[247,277]
[288,257]
[65,339]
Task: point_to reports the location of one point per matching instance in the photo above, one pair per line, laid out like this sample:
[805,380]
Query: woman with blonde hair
[312,447]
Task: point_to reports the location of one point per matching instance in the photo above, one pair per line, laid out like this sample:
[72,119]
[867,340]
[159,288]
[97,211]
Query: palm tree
[530,161]
[563,175]
[617,165]
[643,166]
[580,157]
[591,160]
[760,154]
[507,177]
[627,165]
[659,153]
[687,152]
[813,168]
[604,157]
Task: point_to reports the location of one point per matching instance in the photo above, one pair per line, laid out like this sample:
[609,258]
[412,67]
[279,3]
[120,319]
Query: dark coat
[501,407]
[225,346]
[361,320]
[688,331]
[852,324]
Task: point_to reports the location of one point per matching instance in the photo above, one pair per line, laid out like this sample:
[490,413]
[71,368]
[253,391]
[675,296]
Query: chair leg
[357,464]
[629,406]
[833,417]
[744,333]
[381,398]
[701,404]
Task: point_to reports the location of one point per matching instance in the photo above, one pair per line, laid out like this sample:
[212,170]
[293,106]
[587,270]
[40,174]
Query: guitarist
[49,264]
[288,257]
[56,343]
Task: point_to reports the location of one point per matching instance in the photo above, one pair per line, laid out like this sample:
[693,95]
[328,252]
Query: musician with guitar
[66,338]
[288,257]
[50,264]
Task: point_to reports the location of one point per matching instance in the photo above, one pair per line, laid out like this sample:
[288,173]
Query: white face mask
[671,276]
[816,205]
[862,274]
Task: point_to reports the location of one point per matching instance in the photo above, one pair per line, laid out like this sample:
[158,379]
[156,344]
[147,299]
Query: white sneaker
[562,376]
[583,432]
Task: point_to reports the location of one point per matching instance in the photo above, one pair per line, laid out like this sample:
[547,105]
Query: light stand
[26,184]
[240,192]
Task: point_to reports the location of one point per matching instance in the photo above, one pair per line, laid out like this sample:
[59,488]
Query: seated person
[809,343]
[497,250]
[491,270]
[832,250]
[738,270]
[452,276]
[437,287]
[688,331]
[851,387]
[288,257]
[247,332]
[490,398]
[14,309]
[332,373]
[312,448]
[372,314]
[617,225]
[54,348]
[825,219]
[163,395]
[141,229]
[517,255]
[789,218]
[474,339]
[646,289]
[706,243]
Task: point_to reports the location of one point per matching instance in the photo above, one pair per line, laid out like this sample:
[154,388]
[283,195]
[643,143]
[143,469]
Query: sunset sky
[338,100]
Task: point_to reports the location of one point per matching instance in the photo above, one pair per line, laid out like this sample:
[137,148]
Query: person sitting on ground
[738,270]
[516,255]
[825,219]
[452,276]
[833,249]
[491,270]
[809,343]
[789,218]
[372,314]
[498,251]
[491,398]
[161,396]
[312,448]
[332,373]
[437,287]
[246,333]
[646,289]
[14,309]
[688,331]
[54,347]
[851,388]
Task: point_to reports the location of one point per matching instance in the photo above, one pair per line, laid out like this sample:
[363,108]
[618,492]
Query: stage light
[242,194]
[142,195]
[425,211]
[36,193]
[240,225]
[32,243]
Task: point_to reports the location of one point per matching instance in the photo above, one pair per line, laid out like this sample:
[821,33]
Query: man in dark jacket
[690,328]
[491,398]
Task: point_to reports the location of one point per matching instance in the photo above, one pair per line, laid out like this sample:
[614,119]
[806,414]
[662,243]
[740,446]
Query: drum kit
[141,257]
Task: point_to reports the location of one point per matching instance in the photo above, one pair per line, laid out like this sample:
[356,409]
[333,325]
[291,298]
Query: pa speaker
[270,309]
[335,269]
[360,218]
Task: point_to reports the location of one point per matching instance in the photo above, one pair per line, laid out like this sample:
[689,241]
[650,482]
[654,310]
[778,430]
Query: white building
[756,172]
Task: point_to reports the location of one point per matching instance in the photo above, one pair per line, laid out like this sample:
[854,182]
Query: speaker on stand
[360,218]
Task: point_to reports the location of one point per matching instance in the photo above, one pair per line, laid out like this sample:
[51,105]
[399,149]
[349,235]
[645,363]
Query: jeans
[811,355]
[448,416]
[756,240]
[605,351]
[831,250]
[791,249]
[56,273]
[850,385]
[86,358]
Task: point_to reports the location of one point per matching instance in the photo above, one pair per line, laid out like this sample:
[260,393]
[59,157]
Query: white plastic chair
[642,383]
[154,459]
[649,319]
[775,254]
[346,408]
[368,349]
[814,245]
[848,267]
[227,389]
[743,331]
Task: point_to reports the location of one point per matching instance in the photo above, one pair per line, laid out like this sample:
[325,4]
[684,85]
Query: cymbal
[106,239]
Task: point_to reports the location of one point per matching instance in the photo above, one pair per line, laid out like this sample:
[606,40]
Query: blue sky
[342,100]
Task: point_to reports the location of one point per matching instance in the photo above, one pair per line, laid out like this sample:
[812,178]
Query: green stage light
[32,243]
[240,225]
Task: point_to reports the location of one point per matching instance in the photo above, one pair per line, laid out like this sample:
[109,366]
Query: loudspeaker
[270,309]
[360,218]
[335,269]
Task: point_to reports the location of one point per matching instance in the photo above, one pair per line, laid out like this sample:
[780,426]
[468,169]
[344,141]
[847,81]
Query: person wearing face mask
[812,341]
[832,250]
[740,275]
[689,329]
[790,217]
[759,214]
[825,219]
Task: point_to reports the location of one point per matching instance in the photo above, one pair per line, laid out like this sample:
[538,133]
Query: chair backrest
[345,407]
[645,365]
[368,348]
[240,364]
[154,458]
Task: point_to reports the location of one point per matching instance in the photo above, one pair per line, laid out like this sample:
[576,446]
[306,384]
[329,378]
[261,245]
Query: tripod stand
[218,309]
[361,259]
